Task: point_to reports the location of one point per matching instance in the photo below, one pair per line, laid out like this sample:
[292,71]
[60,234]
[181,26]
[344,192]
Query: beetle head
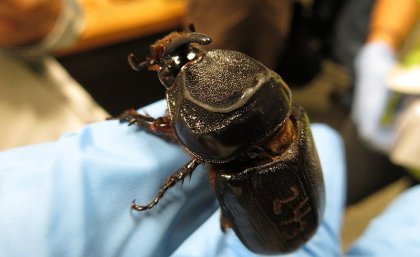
[171,53]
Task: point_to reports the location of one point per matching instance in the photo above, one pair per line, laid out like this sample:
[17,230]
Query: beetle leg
[178,176]
[158,126]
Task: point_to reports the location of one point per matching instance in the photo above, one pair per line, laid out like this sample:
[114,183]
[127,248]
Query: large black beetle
[231,112]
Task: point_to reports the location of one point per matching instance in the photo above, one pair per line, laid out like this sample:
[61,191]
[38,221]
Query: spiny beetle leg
[158,126]
[178,176]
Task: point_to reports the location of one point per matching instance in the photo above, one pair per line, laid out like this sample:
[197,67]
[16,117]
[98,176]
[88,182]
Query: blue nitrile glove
[396,232]
[72,197]
[373,63]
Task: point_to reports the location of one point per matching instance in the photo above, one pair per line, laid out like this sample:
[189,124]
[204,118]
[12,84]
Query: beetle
[231,112]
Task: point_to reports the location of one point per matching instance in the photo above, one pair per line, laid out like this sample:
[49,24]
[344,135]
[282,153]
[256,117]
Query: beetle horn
[135,63]
[188,38]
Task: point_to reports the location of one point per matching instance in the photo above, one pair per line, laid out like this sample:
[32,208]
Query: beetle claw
[137,207]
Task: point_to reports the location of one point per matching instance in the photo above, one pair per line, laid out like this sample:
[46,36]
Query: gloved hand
[395,232]
[373,63]
[72,198]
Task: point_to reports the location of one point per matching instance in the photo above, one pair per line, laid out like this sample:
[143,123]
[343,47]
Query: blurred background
[312,44]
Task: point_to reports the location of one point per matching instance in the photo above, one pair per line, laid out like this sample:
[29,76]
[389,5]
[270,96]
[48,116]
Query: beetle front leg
[158,126]
[178,176]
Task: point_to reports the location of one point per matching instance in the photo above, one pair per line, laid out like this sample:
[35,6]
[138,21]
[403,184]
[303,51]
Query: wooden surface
[113,21]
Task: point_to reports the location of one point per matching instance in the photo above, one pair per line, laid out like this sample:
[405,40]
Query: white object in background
[406,151]
[404,80]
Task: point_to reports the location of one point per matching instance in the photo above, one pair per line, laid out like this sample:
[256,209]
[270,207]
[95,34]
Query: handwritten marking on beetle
[300,210]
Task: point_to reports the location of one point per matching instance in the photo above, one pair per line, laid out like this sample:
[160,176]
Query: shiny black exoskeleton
[231,112]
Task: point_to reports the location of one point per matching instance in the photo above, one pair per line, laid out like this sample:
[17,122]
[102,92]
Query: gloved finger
[373,63]
[210,241]
[72,197]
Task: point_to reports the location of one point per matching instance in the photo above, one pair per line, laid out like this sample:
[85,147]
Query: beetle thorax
[224,103]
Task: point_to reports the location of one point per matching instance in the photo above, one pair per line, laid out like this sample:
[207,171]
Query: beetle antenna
[135,63]
[178,176]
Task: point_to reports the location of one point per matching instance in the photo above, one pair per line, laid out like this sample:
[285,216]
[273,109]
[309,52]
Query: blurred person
[290,37]
[361,32]
[378,102]
[39,100]
[257,28]
[350,31]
